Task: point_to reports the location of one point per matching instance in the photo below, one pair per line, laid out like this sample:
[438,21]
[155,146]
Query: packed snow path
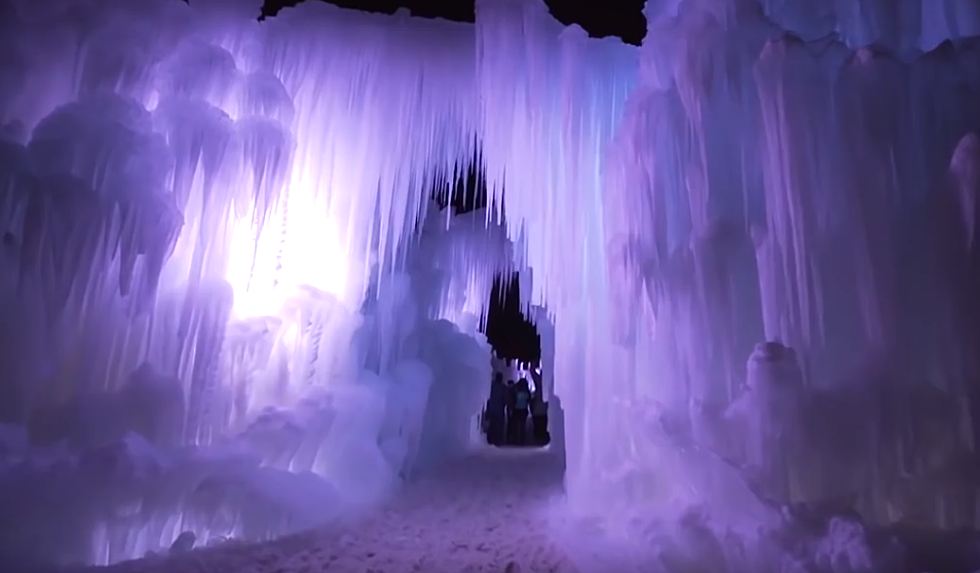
[484,513]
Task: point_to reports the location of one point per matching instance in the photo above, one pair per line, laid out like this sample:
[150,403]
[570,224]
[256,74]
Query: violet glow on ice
[228,305]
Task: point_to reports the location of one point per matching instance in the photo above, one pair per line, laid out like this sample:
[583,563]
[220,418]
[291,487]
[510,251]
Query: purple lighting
[231,310]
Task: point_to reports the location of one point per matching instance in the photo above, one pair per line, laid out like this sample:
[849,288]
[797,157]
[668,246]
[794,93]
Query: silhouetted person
[510,397]
[522,402]
[496,412]
[539,418]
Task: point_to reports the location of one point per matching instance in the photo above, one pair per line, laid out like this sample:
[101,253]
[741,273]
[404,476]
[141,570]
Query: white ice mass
[230,310]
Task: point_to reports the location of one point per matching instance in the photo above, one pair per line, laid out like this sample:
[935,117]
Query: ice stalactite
[467,252]
[550,98]
[355,185]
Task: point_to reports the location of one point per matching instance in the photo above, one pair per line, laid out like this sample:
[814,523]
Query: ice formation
[229,309]
[782,171]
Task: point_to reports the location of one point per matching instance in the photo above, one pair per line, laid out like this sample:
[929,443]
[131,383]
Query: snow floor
[487,512]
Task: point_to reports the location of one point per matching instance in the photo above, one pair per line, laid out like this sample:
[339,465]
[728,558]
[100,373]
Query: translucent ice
[783,171]
[217,235]
[210,240]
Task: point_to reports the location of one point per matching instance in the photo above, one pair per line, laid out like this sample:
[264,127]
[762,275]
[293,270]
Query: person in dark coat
[522,403]
[496,412]
[509,397]
[539,418]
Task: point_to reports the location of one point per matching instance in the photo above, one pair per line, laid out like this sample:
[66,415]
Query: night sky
[506,328]
[600,18]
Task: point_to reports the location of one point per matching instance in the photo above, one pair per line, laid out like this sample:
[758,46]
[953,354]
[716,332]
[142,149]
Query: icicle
[268,148]
[199,135]
[263,95]
[198,70]
[212,309]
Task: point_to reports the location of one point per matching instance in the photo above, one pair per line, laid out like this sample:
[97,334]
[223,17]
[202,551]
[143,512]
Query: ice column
[552,101]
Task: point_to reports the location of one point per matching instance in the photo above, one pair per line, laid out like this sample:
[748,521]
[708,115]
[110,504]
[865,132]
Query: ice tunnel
[228,306]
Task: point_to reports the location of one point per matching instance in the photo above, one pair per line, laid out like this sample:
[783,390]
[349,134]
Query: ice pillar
[545,131]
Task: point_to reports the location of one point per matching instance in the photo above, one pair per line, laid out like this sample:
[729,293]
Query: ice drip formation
[229,307]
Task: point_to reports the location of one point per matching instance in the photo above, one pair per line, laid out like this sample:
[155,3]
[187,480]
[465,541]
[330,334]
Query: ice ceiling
[217,233]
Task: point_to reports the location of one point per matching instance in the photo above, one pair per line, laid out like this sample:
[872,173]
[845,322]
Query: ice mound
[101,492]
[263,503]
[128,497]
[778,480]
[401,434]
[800,444]
[695,543]
[458,365]
[149,404]
[352,458]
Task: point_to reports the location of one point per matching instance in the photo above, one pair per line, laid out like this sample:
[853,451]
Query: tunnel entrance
[516,413]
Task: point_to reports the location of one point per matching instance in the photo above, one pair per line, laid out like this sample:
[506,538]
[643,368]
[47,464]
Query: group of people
[511,409]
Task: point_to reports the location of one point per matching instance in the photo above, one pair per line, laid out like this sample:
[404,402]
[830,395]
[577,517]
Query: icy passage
[485,512]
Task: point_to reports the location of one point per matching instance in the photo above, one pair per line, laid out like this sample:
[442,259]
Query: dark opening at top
[600,18]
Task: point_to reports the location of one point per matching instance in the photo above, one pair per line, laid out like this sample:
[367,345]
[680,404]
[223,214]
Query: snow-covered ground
[487,512]
[502,511]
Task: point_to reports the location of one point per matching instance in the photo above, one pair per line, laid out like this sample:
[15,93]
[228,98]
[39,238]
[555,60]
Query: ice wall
[214,293]
[904,27]
[835,168]
[760,173]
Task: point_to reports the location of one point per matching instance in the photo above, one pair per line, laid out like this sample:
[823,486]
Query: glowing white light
[298,246]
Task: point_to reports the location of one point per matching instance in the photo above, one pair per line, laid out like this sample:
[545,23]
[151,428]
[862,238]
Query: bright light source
[298,246]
